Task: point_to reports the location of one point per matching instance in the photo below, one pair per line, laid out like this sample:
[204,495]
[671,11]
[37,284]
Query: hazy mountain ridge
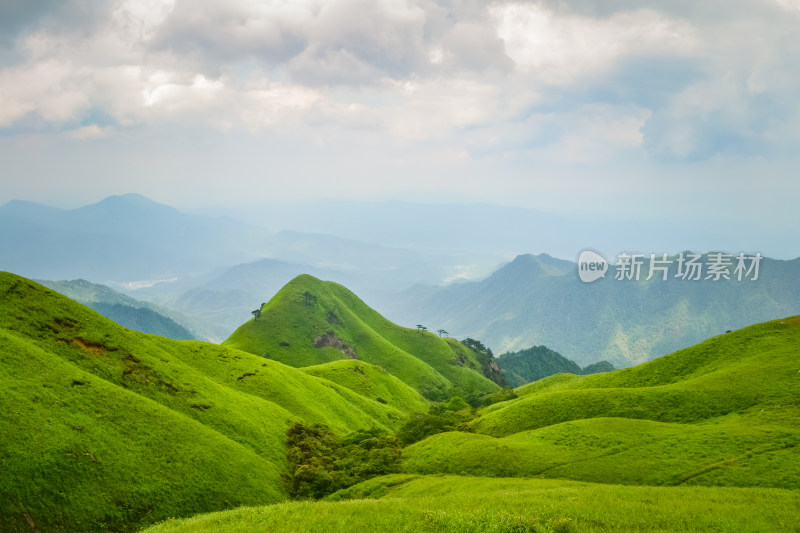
[126,311]
[121,238]
[525,303]
[212,268]
[486,228]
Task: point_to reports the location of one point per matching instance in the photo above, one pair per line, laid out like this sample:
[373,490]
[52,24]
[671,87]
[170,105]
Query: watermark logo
[686,266]
[591,266]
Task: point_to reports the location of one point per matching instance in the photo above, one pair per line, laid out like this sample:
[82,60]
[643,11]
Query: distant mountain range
[121,238]
[126,311]
[226,298]
[539,300]
[509,230]
[215,270]
[212,268]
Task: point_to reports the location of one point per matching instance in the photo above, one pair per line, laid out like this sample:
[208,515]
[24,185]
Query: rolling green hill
[310,322]
[411,503]
[371,382]
[724,412]
[103,428]
[704,439]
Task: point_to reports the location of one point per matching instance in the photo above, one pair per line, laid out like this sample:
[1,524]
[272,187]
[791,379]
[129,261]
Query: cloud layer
[464,94]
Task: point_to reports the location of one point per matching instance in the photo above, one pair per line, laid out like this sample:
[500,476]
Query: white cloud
[92,131]
[45,87]
[404,95]
[221,31]
[170,96]
[560,48]
[139,20]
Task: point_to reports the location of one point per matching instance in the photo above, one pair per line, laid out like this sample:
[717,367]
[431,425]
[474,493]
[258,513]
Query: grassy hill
[371,382]
[724,412]
[411,503]
[705,439]
[103,428]
[310,322]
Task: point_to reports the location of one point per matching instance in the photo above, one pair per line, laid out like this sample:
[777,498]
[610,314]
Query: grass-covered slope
[407,503]
[80,454]
[310,322]
[751,450]
[106,428]
[724,412]
[372,382]
[728,373]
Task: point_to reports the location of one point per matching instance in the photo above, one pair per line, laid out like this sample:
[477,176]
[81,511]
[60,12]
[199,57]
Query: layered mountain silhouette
[121,238]
[538,300]
[126,311]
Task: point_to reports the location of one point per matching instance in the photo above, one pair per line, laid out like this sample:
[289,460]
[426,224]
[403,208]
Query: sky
[632,109]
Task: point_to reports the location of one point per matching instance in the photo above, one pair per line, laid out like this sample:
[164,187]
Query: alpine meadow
[399,266]
[105,428]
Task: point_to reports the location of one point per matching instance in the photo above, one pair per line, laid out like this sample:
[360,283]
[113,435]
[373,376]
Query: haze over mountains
[131,239]
[486,228]
[122,238]
[215,270]
[126,311]
[540,300]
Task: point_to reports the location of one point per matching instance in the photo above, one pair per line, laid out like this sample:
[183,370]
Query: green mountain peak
[310,322]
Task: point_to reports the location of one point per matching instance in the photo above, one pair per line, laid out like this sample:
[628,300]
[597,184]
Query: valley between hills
[319,414]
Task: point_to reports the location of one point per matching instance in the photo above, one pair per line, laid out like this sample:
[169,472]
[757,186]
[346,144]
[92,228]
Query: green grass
[725,412]
[81,454]
[316,401]
[372,382]
[736,450]
[105,428]
[307,309]
[469,504]
[757,365]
